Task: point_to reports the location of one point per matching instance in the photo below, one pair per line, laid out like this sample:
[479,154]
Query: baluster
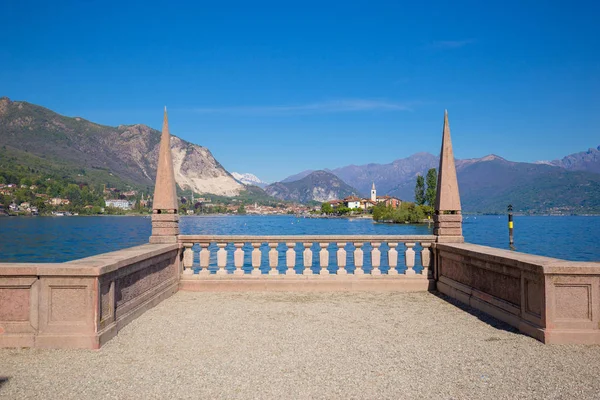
[375,258]
[188,259]
[273,258]
[308,256]
[204,258]
[409,258]
[426,259]
[393,259]
[290,258]
[358,259]
[341,259]
[238,259]
[221,259]
[256,259]
[324,258]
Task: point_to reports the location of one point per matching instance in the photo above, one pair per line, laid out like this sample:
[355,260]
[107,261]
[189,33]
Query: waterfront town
[24,199]
[31,200]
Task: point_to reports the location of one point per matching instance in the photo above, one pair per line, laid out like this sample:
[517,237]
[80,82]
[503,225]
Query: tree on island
[241,209]
[326,208]
[420,190]
[406,213]
[431,187]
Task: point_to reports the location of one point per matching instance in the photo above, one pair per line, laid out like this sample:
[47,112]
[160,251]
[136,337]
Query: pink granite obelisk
[447,219]
[165,220]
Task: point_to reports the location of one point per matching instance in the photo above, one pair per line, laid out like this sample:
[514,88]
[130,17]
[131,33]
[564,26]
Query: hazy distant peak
[248,179]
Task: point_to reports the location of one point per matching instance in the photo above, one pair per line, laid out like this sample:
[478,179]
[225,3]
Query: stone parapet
[552,300]
[83,303]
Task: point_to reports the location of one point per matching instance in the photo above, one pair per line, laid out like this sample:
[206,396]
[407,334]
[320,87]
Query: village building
[122,204]
[365,204]
[57,201]
[389,201]
[352,202]
[143,201]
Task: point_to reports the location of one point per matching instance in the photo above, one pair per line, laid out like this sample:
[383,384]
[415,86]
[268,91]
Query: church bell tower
[373,193]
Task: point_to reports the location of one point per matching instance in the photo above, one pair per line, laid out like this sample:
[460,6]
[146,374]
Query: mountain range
[317,186]
[37,138]
[489,183]
[126,154]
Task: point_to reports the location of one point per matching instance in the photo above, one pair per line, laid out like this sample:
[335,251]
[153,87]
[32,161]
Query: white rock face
[196,169]
[249,179]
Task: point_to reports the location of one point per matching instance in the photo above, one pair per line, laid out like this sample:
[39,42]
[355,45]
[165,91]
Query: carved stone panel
[106,301]
[14,304]
[533,297]
[573,302]
[67,304]
[136,284]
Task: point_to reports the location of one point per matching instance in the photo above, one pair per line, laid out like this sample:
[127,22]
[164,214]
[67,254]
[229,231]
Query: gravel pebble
[307,345]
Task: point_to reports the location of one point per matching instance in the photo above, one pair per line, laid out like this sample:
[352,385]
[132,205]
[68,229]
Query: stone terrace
[307,345]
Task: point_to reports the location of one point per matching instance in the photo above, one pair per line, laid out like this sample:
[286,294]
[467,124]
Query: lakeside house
[57,201]
[118,203]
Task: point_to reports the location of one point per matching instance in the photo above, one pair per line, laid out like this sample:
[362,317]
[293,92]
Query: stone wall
[552,300]
[83,303]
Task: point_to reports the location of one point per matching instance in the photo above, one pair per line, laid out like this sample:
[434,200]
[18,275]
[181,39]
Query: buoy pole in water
[511,239]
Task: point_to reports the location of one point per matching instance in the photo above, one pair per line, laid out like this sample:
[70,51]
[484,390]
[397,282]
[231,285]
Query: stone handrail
[302,251]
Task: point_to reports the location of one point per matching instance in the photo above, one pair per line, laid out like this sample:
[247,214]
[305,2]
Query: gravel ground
[307,345]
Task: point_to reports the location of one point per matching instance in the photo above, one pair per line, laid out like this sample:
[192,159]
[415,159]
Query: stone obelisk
[165,219]
[448,218]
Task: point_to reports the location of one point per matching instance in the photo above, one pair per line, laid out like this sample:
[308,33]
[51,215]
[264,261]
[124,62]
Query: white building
[122,204]
[352,202]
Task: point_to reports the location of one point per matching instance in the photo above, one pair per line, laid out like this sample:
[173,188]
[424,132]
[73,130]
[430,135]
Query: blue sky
[274,88]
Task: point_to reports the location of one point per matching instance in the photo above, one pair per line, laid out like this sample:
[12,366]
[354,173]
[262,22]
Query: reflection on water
[57,239]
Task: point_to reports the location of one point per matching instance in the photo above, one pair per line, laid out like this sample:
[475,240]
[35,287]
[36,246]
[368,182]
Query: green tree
[341,210]
[420,190]
[431,187]
[326,208]
[73,193]
[241,209]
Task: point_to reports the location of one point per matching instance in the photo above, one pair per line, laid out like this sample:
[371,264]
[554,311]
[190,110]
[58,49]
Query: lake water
[57,239]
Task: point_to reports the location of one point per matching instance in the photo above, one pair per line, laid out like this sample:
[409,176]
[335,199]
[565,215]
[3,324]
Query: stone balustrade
[309,255]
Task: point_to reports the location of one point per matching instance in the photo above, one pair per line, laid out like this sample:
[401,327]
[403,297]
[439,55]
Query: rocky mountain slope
[584,161]
[318,186]
[491,183]
[249,179]
[127,153]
